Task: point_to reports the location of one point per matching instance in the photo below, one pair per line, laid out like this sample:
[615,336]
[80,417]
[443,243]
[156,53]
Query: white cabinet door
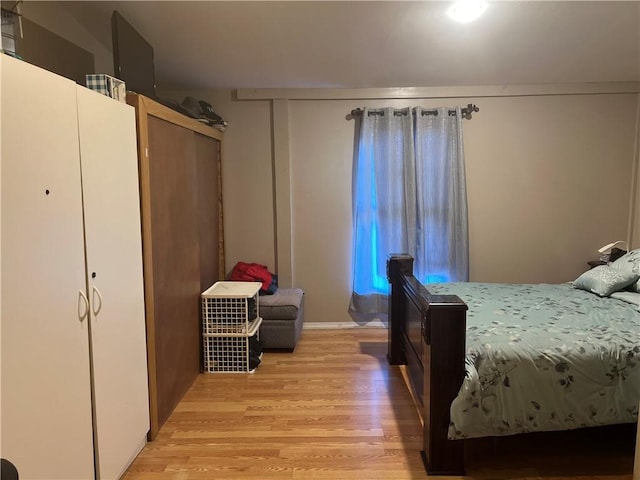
[46,397]
[114,264]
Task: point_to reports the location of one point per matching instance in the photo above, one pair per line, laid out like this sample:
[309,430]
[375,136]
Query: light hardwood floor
[334,409]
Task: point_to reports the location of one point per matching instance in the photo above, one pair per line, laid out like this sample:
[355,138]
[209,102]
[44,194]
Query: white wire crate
[230,309]
[230,316]
[228,354]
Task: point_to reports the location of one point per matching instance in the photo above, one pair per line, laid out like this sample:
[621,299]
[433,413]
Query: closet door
[46,398]
[114,266]
[176,257]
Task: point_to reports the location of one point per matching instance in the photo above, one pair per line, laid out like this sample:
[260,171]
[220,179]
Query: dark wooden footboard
[427,333]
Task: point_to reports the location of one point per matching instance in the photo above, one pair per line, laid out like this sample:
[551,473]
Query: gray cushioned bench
[282,317]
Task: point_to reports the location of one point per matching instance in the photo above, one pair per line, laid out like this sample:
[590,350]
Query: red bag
[251,272]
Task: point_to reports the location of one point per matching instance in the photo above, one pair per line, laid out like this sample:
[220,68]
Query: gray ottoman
[282,316]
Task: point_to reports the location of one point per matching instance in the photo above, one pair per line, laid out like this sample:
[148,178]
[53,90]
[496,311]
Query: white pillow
[605,280]
[627,296]
[630,262]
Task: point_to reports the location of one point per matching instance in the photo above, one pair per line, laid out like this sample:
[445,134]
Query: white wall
[548,184]
[247,176]
[634,219]
[51,16]
[549,181]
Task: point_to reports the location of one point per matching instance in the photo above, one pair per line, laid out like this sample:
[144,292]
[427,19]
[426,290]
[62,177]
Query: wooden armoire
[182,237]
[74,371]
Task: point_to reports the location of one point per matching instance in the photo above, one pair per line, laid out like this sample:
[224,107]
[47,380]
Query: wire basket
[230,308]
[230,317]
[229,355]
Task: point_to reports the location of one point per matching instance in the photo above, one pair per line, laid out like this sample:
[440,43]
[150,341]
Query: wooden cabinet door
[176,268]
[180,165]
[46,398]
[114,265]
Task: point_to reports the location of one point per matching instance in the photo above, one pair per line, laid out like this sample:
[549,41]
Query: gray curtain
[409,196]
[442,240]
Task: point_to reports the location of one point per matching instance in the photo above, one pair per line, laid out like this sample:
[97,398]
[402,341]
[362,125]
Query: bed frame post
[398,264]
[443,357]
[427,333]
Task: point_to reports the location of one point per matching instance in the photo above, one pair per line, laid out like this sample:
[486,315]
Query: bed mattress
[545,357]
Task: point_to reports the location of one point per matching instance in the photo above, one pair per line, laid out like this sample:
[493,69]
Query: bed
[488,360]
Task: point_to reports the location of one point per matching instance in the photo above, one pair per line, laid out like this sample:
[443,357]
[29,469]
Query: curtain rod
[466,112]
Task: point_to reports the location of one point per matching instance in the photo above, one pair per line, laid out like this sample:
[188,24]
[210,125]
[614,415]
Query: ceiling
[340,44]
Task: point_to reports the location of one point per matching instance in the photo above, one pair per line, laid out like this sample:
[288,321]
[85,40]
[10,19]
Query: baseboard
[342,325]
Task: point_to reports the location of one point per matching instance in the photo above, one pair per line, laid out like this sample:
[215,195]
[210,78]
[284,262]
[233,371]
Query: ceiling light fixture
[465,11]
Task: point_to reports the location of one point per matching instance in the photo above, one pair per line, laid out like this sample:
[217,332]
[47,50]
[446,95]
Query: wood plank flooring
[334,409]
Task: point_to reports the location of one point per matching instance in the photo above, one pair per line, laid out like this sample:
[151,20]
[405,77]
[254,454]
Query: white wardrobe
[74,395]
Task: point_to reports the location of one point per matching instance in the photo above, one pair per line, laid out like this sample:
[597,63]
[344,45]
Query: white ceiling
[340,44]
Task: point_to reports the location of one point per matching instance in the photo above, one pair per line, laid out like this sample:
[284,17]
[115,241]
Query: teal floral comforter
[544,357]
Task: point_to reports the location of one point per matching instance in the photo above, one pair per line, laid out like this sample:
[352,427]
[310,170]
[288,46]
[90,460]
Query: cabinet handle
[96,294]
[82,301]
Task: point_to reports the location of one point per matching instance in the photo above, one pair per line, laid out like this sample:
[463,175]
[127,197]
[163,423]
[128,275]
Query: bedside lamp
[611,252]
